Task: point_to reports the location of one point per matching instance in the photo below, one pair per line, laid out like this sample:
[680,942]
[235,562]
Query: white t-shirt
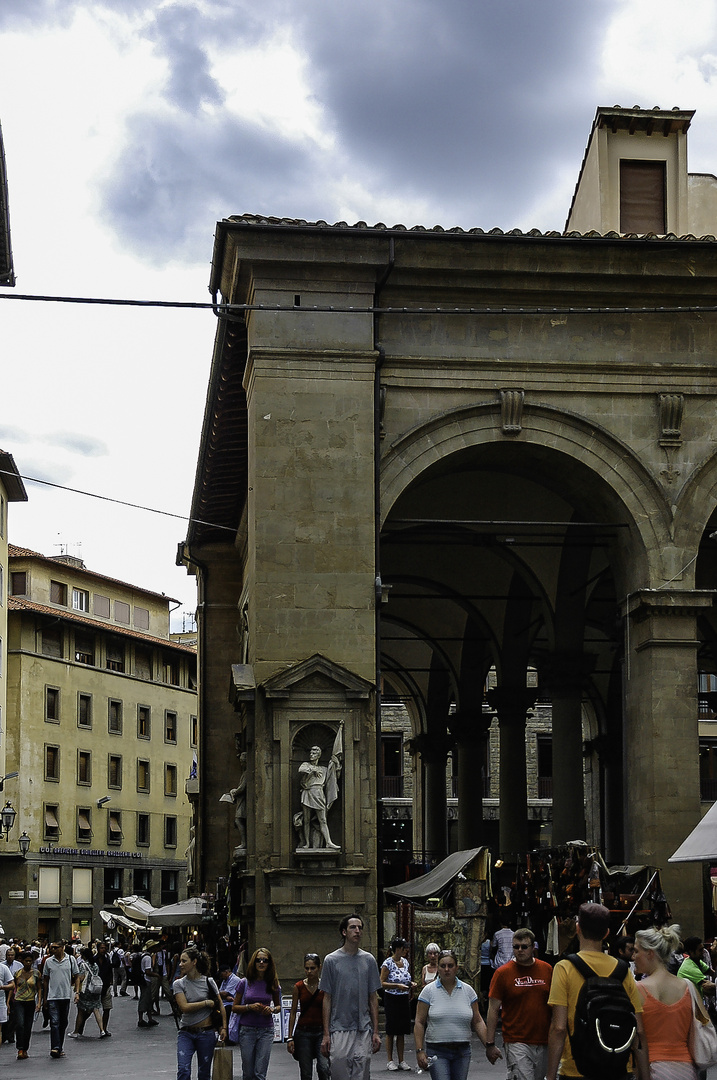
[449,1015]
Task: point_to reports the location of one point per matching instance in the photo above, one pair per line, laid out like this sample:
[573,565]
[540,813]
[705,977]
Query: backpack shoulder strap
[619,972]
[577,961]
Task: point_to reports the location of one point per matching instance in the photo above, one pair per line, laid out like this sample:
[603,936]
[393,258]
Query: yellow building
[11,490]
[102,729]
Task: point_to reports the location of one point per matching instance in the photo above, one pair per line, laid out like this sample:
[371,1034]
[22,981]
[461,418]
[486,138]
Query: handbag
[219,1016]
[222,1063]
[702,1040]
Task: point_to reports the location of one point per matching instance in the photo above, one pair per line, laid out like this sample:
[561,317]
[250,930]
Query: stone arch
[620,482]
[694,507]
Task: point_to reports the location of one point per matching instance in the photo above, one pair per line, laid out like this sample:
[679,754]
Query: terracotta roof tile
[15,552]
[362,226]
[19,603]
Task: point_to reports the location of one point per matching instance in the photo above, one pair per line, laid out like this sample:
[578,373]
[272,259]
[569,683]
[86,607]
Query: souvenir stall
[544,889]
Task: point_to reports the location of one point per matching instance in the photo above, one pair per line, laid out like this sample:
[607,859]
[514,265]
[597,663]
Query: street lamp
[24,842]
[7,817]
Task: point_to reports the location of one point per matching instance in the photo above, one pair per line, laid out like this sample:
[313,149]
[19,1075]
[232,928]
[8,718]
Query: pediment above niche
[317,676]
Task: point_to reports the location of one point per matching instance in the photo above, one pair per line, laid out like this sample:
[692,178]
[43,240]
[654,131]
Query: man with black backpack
[596,1028]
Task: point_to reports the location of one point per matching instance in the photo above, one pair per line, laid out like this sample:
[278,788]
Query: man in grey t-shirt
[59,976]
[350,981]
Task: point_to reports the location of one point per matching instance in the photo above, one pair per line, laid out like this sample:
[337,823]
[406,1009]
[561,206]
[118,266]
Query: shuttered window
[642,197]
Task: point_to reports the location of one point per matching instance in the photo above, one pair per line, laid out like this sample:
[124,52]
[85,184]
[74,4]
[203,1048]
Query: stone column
[512,703]
[662,799]
[434,754]
[565,675]
[469,727]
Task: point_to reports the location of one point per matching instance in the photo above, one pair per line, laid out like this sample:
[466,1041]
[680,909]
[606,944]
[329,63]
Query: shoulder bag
[702,1040]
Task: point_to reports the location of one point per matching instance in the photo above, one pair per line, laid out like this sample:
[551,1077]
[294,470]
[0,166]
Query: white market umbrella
[135,907]
[701,844]
[184,913]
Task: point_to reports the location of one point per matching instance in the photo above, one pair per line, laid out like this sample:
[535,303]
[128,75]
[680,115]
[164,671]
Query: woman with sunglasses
[307,1030]
[446,1014]
[258,996]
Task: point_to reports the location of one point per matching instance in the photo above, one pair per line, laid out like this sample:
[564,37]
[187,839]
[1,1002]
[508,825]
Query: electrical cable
[225,309]
[119,502]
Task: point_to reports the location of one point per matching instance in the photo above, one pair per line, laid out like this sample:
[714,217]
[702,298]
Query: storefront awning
[437,882]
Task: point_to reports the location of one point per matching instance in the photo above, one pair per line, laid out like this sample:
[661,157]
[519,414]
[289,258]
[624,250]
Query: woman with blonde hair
[667,1007]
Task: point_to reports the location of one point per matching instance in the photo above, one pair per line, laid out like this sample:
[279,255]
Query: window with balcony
[51,641]
[84,648]
[392,766]
[115,654]
[143,663]
[544,748]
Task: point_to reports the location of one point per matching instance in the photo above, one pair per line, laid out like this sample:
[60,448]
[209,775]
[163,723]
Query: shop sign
[33,894]
[94,852]
[16,894]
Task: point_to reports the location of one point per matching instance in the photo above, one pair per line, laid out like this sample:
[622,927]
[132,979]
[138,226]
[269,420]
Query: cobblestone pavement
[134,1052]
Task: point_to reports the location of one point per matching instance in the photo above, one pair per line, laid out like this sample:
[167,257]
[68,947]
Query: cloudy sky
[131,127]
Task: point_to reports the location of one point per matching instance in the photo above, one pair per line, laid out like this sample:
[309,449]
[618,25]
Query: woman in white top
[397,987]
[430,968]
[447,1012]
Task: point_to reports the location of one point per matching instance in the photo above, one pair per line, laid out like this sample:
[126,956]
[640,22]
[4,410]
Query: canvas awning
[437,882]
[701,844]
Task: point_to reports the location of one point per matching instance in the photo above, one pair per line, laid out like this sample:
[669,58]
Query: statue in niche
[189,855]
[237,796]
[319,791]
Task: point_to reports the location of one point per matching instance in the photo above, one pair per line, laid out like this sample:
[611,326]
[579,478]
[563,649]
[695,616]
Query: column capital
[432,748]
[645,603]
[469,726]
[512,703]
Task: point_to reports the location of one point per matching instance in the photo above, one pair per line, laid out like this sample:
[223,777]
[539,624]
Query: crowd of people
[654,988]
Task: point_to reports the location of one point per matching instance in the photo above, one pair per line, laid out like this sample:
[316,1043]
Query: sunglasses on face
[262,960]
[522,946]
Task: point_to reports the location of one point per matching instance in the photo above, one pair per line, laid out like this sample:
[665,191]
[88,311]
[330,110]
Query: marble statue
[237,795]
[319,791]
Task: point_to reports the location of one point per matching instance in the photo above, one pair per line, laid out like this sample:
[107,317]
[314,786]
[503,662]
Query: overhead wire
[118,502]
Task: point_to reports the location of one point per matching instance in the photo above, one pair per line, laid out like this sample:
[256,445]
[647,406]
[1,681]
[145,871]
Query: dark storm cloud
[473,103]
[470,108]
[175,178]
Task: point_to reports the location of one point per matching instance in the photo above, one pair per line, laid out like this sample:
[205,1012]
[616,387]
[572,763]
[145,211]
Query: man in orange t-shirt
[521,987]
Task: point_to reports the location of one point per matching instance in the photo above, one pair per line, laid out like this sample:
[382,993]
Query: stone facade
[431,454]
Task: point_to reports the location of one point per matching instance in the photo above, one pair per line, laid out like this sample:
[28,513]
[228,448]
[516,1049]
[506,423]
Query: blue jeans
[59,1009]
[202,1043]
[307,1045]
[453,1060]
[255,1047]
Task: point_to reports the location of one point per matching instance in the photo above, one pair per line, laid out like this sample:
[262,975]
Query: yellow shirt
[564,990]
